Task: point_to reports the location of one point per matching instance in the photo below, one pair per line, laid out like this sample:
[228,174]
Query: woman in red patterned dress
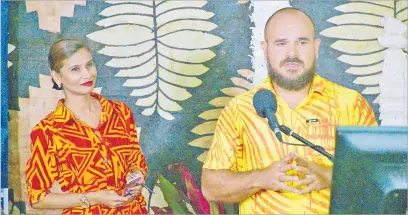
[88,144]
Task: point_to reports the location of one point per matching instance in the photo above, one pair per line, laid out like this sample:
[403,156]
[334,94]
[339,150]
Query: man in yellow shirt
[247,164]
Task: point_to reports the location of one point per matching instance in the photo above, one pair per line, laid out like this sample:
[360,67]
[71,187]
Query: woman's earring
[56,85]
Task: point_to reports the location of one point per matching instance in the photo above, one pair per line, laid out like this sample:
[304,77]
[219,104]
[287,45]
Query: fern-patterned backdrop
[176,64]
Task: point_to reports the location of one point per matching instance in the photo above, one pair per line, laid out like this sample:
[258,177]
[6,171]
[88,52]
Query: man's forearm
[227,186]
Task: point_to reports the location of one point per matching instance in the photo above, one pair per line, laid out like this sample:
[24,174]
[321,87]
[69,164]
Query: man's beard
[292,84]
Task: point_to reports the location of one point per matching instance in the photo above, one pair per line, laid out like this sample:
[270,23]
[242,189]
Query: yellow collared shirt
[244,142]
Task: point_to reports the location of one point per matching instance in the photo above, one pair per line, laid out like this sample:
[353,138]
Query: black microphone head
[264,100]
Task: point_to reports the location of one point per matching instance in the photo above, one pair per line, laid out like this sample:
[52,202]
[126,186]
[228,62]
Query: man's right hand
[274,177]
[229,186]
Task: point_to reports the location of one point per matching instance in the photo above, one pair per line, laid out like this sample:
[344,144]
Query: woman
[88,144]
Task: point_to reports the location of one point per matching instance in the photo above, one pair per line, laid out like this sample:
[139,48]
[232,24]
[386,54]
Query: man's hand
[317,176]
[274,177]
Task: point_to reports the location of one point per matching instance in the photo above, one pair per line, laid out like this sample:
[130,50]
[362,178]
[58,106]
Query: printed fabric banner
[176,64]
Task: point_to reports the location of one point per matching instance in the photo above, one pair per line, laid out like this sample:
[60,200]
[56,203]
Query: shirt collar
[62,114]
[318,84]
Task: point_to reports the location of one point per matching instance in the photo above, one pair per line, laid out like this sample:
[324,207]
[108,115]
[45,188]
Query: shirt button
[105,160]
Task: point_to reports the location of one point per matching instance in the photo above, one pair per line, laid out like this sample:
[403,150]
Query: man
[247,164]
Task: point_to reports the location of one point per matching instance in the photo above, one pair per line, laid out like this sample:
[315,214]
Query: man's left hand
[317,176]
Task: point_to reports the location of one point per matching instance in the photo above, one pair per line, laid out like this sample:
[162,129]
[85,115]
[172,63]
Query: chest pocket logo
[322,132]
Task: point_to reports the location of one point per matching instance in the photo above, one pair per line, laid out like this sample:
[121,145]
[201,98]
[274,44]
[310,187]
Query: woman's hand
[134,188]
[108,197]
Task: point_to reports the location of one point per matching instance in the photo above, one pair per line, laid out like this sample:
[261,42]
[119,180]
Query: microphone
[265,105]
[319,149]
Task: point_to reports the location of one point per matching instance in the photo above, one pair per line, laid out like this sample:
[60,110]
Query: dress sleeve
[136,160]
[41,168]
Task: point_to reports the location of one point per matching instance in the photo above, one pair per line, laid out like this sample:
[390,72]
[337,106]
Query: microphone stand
[319,149]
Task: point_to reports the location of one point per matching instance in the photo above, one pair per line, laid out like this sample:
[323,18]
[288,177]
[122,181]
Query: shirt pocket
[322,132]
